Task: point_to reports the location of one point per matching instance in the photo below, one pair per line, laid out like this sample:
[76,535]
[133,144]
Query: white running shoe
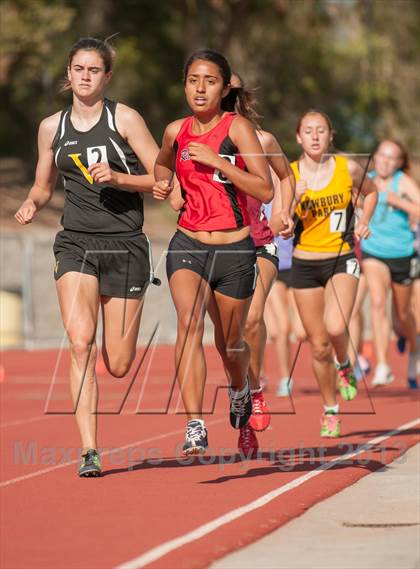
[383,375]
[363,363]
[284,388]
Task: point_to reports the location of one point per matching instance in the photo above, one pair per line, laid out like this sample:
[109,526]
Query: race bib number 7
[353,267]
[338,221]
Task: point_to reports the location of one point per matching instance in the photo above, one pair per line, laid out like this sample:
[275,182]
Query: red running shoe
[260,418]
[247,442]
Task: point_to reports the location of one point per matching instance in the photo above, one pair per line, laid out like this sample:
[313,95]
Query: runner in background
[325,270]
[389,260]
[267,261]
[359,362]
[282,316]
[415,293]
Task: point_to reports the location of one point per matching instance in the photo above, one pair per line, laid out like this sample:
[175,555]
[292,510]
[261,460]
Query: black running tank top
[91,207]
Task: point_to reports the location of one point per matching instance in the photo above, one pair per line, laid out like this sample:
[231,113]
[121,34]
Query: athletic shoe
[263,382]
[413,361]
[347,383]
[260,418]
[363,363]
[383,375]
[401,344]
[247,442]
[195,438]
[358,373]
[412,383]
[90,465]
[330,425]
[284,388]
[240,408]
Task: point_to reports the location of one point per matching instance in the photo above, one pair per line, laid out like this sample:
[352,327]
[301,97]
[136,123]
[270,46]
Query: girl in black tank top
[90,206]
[102,256]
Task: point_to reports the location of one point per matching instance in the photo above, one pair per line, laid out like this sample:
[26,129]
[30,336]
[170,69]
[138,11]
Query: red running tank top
[212,202]
[260,231]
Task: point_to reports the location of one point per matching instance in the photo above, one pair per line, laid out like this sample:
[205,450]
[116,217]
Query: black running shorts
[316,273]
[122,264]
[403,270]
[285,276]
[269,252]
[229,269]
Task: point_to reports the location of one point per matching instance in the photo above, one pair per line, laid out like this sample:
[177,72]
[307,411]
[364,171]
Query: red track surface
[52,519]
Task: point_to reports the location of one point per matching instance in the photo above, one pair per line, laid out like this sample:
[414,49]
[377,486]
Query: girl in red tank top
[218,161]
[212,203]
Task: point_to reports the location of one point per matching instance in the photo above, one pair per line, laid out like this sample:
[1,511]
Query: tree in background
[358,60]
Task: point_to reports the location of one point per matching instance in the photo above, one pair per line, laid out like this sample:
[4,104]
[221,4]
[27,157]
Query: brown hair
[315,112]
[245,102]
[405,160]
[103,48]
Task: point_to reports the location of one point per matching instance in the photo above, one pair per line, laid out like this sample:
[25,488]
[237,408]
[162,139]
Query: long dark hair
[103,48]
[238,99]
[246,102]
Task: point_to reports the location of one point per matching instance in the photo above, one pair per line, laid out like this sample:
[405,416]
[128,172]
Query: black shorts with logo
[269,252]
[229,269]
[308,273]
[121,263]
[404,270]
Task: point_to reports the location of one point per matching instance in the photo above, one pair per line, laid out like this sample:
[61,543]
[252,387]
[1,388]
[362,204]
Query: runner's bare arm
[408,199]
[165,162]
[363,185]
[46,172]
[281,166]
[134,130]
[175,197]
[281,222]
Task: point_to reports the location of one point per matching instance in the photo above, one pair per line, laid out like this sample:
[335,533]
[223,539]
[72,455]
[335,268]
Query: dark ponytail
[242,101]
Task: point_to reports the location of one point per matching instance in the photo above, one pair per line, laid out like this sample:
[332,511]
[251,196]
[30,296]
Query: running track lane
[53,519]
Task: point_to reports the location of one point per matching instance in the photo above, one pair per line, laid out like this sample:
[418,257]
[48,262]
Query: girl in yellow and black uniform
[325,270]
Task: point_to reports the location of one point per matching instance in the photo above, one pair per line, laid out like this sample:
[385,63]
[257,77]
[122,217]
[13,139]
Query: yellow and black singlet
[326,216]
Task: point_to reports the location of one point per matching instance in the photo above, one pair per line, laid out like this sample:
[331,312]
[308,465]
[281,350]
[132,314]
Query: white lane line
[169,546]
[17,422]
[69,463]
[28,420]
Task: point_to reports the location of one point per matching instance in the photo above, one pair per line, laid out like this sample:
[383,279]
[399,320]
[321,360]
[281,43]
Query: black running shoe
[240,408]
[195,439]
[91,464]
